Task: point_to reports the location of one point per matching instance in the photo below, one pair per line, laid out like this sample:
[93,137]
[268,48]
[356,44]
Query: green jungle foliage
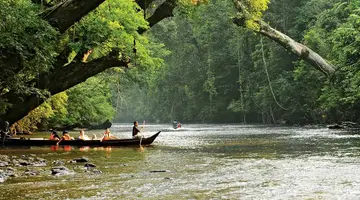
[197,66]
[218,72]
[21,30]
[113,25]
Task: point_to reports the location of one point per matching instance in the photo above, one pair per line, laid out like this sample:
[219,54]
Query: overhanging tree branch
[67,13]
[165,10]
[77,72]
[144,4]
[302,51]
[62,80]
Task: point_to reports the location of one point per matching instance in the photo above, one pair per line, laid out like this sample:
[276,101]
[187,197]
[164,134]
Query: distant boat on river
[176,124]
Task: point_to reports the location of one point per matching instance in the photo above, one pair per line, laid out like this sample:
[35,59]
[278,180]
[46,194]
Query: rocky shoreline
[32,165]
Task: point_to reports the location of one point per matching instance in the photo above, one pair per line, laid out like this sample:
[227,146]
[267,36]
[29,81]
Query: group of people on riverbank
[82,136]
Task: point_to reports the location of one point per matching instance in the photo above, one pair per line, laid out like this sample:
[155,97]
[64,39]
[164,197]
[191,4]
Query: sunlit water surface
[203,161]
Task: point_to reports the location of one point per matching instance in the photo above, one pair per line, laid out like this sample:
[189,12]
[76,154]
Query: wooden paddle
[141,136]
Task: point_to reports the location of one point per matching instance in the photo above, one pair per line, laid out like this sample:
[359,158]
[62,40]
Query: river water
[204,161]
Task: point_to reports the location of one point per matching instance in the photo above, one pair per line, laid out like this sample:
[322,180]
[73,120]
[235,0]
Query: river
[204,161]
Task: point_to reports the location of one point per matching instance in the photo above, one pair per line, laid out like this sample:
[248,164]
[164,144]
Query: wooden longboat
[91,143]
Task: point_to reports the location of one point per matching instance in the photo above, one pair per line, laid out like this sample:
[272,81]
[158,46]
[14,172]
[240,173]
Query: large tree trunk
[302,51]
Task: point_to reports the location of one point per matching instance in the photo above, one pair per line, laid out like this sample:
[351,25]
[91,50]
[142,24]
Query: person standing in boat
[135,130]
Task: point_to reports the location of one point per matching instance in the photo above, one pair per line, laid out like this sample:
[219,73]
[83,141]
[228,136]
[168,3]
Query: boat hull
[95,143]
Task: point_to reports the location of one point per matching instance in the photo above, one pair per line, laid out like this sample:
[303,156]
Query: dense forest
[203,62]
[215,71]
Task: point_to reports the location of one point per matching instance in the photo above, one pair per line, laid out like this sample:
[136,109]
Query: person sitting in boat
[65,136]
[82,136]
[174,123]
[107,135]
[135,130]
[179,125]
[54,136]
[4,130]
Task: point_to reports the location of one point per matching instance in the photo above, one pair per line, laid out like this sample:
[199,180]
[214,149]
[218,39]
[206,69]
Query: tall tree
[66,71]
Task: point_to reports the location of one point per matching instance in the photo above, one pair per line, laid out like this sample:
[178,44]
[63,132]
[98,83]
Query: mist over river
[201,161]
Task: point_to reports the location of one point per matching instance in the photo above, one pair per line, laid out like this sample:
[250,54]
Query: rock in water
[61,170]
[4,157]
[3,164]
[96,171]
[80,160]
[39,164]
[29,172]
[11,172]
[24,162]
[89,165]
[158,171]
[58,162]
[93,171]
[3,177]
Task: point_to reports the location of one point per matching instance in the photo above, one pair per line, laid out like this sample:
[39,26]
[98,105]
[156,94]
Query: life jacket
[106,136]
[66,137]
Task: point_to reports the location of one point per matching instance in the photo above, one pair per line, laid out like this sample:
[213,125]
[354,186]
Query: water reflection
[66,148]
[86,148]
[82,149]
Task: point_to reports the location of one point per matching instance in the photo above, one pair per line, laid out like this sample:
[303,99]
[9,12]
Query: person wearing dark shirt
[135,130]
